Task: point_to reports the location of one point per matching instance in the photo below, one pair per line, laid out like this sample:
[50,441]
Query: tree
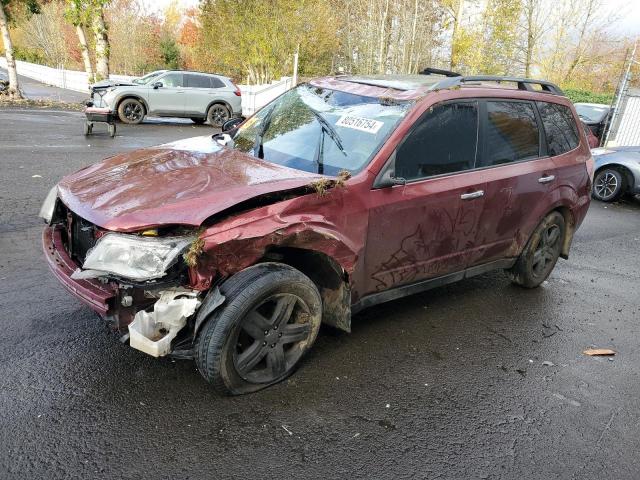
[256,39]
[7,7]
[47,31]
[533,27]
[380,36]
[100,32]
[455,9]
[78,14]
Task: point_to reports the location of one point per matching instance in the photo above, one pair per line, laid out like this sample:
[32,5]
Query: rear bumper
[94,294]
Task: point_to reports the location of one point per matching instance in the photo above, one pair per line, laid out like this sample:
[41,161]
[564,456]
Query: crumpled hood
[111,83]
[184,182]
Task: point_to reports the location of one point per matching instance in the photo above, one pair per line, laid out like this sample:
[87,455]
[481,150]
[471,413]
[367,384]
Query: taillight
[237,92]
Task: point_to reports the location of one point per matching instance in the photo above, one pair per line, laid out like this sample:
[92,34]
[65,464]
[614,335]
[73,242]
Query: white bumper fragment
[152,332]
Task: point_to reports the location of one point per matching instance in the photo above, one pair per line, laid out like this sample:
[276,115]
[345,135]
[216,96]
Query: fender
[228,251]
[223,102]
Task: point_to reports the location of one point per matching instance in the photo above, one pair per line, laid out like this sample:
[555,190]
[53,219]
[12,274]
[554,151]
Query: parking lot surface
[479,379]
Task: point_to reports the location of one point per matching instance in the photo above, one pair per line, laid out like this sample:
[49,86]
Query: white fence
[254,97]
[57,77]
[627,128]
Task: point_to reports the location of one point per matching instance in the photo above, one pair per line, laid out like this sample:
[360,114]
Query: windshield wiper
[326,128]
[329,130]
[258,150]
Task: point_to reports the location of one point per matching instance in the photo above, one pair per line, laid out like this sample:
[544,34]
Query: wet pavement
[448,384]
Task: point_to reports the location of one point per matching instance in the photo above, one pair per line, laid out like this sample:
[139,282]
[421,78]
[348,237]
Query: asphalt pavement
[447,384]
[34,90]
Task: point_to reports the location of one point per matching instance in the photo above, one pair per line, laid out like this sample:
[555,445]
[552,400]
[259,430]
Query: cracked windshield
[320,130]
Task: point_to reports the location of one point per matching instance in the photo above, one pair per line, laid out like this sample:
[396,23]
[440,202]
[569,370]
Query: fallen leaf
[598,352]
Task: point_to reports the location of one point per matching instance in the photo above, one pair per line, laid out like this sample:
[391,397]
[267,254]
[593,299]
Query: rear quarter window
[511,133]
[559,127]
[216,82]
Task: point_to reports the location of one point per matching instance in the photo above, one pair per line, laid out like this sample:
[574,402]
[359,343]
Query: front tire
[218,114]
[541,253]
[269,320]
[608,185]
[131,111]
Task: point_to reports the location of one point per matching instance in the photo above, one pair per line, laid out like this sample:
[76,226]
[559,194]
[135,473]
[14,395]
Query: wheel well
[328,276]
[624,171]
[126,97]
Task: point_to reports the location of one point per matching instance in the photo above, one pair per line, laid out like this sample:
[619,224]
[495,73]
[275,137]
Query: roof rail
[437,71]
[523,83]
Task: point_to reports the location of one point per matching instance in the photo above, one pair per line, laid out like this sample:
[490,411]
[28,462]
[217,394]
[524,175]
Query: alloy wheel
[271,338]
[218,115]
[547,251]
[133,111]
[606,185]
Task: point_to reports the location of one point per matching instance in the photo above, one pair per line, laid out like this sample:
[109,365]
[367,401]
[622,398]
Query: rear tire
[131,111]
[269,320]
[218,114]
[608,185]
[541,253]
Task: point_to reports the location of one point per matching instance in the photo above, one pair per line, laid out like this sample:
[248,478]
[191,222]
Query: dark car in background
[342,193]
[596,116]
[592,140]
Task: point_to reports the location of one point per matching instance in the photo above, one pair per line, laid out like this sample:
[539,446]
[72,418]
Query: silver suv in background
[198,96]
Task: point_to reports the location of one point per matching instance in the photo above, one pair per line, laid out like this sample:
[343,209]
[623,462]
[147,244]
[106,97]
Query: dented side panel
[334,224]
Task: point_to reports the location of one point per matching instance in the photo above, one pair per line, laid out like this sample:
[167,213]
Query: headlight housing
[133,257]
[108,97]
[49,205]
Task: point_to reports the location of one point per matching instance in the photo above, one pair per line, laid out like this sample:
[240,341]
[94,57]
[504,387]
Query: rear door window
[193,80]
[511,133]
[445,140]
[559,127]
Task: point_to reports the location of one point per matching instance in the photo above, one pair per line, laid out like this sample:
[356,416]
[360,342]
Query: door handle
[547,178]
[472,195]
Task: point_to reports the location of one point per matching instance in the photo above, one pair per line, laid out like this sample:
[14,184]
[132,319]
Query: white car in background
[173,93]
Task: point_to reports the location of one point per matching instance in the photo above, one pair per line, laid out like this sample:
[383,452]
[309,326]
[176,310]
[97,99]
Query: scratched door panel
[421,230]
[515,202]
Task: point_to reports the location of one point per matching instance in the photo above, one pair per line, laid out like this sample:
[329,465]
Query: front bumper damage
[158,320]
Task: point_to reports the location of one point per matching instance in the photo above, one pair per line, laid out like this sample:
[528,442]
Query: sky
[628,12]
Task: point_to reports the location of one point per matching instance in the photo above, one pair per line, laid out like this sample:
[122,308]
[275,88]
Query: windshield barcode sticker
[360,123]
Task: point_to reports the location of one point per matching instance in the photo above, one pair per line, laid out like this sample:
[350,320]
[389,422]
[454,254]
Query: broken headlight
[133,257]
[49,205]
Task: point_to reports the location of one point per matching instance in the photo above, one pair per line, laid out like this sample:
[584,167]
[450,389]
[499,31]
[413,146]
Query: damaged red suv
[342,193]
